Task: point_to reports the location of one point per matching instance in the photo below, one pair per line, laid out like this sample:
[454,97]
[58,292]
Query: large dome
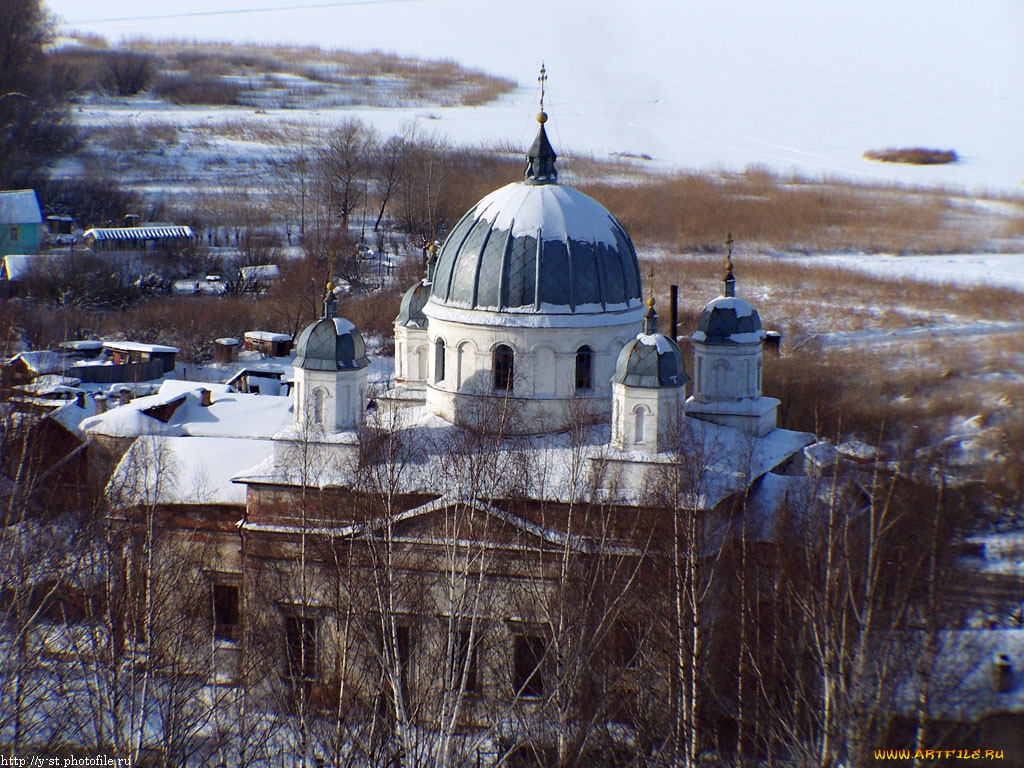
[541,248]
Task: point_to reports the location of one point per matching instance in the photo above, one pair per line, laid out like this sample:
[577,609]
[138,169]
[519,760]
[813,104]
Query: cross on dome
[729,281]
[540,160]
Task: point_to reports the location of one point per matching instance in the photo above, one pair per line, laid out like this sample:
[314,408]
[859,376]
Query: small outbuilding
[147,238]
[21,222]
[270,344]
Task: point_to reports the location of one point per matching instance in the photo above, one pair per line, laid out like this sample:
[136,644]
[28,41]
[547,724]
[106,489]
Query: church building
[485,537]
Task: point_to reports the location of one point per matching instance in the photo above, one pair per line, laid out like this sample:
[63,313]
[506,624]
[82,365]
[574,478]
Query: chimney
[80,399]
[773,342]
[205,397]
[124,396]
[1002,673]
[673,308]
[101,403]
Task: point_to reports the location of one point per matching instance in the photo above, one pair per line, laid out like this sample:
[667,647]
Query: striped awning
[138,233]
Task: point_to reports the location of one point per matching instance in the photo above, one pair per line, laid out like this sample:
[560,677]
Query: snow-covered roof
[42,361]
[558,470]
[231,414]
[22,266]
[185,470]
[102,234]
[84,345]
[70,415]
[51,383]
[20,206]
[266,336]
[136,346]
[261,272]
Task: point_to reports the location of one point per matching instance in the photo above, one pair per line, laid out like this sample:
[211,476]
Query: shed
[257,279]
[59,225]
[21,222]
[136,352]
[225,350]
[145,238]
[272,344]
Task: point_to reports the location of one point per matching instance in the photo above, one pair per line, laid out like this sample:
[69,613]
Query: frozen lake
[790,85]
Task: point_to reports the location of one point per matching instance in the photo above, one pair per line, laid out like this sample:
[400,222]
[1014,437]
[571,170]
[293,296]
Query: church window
[300,648]
[700,378]
[464,661]
[639,425]
[527,671]
[318,406]
[584,363]
[421,363]
[225,611]
[759,366]
[15,234]
[463,365]
[503,367]
[439,361]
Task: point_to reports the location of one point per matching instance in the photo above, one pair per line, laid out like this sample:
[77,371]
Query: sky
[791,84]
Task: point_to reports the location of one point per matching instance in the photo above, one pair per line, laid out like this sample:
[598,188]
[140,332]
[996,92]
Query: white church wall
[544,369]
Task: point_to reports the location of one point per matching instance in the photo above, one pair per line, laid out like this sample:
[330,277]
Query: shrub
[198,89]
[127,72]
[912,155]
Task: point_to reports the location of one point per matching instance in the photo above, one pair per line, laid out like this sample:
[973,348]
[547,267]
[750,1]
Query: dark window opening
[528,676]
[225,611]
[626,639]
[464,661]
[503,367]
[400,651]
[584,362]
[300,648]
[439,361]
[404,652]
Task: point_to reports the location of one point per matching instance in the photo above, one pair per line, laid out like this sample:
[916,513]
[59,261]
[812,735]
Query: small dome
[410,311]
[650,360]
[330,344]
[728,320]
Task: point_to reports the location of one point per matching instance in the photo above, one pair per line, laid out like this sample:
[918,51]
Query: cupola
[728,363]
[647,390]
[330,372]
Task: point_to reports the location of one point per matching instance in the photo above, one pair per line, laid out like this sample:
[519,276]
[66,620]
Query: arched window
[584,365]
[439,361]
[318,406]
[638,433]
[502,365]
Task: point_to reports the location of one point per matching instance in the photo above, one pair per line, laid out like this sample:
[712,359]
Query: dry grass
[228,74]
[693,211]
[912,155]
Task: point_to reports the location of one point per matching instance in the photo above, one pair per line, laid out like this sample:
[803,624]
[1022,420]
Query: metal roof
[138,233]
[538,246]
[726,317]
[650,361]
[20,206]
[330,344]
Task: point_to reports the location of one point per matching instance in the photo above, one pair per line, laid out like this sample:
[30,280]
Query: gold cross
[542,80]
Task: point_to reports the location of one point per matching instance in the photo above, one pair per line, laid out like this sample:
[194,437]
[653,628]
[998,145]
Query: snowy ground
[997,269]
